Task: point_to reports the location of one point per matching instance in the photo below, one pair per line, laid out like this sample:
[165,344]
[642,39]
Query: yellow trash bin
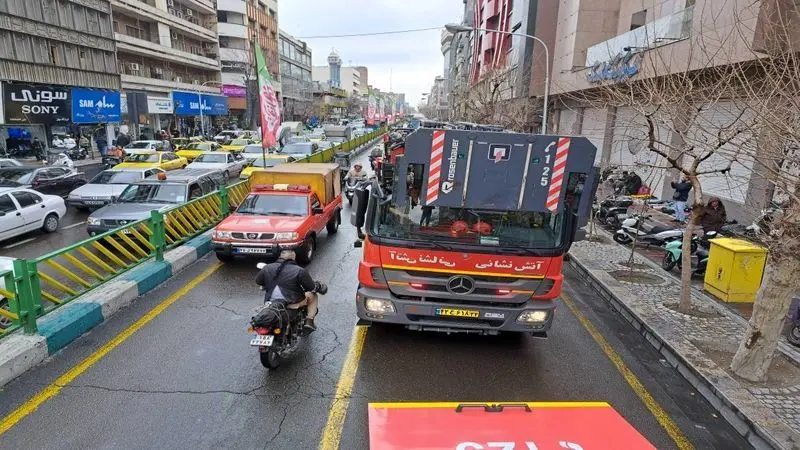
[734,271]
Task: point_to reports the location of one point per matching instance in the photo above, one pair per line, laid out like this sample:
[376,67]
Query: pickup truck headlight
[286,236]
[223,234]
[93,221]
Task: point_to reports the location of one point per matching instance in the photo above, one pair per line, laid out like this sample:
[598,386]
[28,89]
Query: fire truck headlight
[379,306]
[533,316]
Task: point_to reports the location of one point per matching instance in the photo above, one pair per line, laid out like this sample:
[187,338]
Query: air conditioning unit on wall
[134,67]
[170,3]
[189,13]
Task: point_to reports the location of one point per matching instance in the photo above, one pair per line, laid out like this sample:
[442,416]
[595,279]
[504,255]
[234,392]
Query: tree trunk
[685,299]
[757,348]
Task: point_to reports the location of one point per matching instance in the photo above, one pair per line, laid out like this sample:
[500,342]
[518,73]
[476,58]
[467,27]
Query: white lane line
[16,244]
[73,225]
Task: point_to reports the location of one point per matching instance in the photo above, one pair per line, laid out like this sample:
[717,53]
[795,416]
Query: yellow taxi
[261,162]
[236,145]
[193,150]
[150,159]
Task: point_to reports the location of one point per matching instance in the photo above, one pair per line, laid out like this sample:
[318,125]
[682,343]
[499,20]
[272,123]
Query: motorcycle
[110,161]
[793,333]
[649,235]
[350,189]
[278,329]
[700,248]
[77,153]
[608,210]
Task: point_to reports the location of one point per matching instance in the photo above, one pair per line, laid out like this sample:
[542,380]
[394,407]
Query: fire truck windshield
[470,227]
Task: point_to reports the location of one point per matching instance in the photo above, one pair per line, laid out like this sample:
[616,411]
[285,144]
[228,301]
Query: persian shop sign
[620,68]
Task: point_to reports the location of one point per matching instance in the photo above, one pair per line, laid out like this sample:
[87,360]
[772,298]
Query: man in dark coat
[713,216]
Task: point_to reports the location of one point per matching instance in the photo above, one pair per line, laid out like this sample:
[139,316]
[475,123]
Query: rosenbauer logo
[449,182]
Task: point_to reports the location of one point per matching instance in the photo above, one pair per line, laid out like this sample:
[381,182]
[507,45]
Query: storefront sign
[188,104]
[159,105]
[123,103]
[231,90]
[36,103]
[95,106]
[620,68]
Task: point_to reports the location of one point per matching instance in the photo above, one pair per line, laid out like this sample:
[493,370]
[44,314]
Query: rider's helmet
[358,166]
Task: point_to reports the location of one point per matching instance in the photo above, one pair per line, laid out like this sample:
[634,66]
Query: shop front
[237,103]
[213,114]
[32,112]
[95,112]
[161,112]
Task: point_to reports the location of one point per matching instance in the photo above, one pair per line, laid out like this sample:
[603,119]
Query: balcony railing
[665,30]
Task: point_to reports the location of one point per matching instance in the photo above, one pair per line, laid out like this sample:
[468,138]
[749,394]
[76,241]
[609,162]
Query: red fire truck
[470,237]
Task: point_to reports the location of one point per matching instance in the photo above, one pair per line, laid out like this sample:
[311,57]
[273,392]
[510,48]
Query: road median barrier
[49,301]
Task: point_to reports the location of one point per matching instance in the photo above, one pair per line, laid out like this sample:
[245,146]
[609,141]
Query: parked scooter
[279,330]
[608,211]
[77,153]
[700,249]
[793,333]
[649,235]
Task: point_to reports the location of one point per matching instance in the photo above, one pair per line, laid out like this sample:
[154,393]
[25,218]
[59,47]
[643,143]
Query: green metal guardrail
[38,286]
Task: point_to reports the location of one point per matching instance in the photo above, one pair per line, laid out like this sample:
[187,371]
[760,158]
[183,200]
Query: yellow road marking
[672,429]
[55,388]
[413,405]
[332,434]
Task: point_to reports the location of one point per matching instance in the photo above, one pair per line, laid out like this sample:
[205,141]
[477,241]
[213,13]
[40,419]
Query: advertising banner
[371,110]
[232,90]
[36,103]
[381,110]
[188,104]
[95,106]
[159,105]
[268,101]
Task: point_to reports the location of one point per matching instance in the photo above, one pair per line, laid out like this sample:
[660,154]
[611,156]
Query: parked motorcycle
[77,153]
[608,210]
[278,329]
[793,333]
[649,235]
[700,249]
[110,161]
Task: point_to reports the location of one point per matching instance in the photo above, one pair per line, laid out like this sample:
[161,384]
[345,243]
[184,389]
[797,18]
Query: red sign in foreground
[515,426]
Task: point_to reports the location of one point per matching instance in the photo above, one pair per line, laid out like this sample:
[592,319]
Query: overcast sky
[414,59]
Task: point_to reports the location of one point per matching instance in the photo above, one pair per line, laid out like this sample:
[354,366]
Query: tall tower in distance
[335,64]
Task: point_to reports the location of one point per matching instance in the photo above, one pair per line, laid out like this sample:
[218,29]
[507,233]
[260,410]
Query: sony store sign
[36,103]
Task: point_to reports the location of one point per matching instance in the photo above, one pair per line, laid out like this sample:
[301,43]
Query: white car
[106,186]
[252,152]
[228,163]
[137,146]
[23,210]
[9,162]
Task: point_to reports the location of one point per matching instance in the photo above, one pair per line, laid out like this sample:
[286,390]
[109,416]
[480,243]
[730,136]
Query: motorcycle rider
[356,173]
[286,282]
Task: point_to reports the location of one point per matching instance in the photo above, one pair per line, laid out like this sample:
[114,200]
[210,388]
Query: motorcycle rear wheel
[270,359]
[623,239]
[668,263]
[793,336]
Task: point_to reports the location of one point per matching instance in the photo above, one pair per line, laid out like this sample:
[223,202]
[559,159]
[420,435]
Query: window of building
[222,16]
[638,19]
[53,55]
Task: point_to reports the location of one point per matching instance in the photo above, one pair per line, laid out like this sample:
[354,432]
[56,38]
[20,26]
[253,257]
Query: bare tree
[715,117]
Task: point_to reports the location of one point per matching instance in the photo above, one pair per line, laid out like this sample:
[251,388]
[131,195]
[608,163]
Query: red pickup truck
[288,207]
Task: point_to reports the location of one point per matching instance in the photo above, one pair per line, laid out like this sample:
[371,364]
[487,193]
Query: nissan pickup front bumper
[380,305]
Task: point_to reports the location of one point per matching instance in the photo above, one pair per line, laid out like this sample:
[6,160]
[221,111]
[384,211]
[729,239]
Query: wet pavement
[188,378]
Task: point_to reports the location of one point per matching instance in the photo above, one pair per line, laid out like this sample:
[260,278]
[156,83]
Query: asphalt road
[188,379]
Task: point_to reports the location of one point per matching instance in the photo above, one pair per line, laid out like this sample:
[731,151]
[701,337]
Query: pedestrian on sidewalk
[713,216]
[681,196]
[102,144]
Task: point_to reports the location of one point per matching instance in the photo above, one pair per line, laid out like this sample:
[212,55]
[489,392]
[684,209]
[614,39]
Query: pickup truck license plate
[261,340]
[94,202]
[251,250]
[468,313]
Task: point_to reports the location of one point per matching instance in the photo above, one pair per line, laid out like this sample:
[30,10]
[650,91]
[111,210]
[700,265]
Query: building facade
[363,78]
[296,82]
[51,54]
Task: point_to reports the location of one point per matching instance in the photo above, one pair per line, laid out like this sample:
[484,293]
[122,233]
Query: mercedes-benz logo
[252,235]
[460,285]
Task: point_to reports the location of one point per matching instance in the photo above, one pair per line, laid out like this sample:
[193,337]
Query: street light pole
[456,28]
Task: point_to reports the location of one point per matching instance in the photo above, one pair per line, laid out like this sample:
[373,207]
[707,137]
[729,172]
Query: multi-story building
[347,78]
[44,52]
[351,80]
[330,102]
[600,43]
[166,47]
[363,78]
[296,82]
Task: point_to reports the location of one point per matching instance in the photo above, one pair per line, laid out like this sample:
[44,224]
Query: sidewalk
[700,346]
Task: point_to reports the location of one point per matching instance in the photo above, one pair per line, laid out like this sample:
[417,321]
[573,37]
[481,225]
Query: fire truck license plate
[468,313]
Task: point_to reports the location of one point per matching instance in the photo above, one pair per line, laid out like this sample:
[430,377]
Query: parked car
[153,194]
[299,150]
[254,151]
[149,159]
[262,163]
[193,150]
[228,163]
[9,162]
[47,180]
[23,210]
[297,139]
[136,146]
[227,135]
[106,186]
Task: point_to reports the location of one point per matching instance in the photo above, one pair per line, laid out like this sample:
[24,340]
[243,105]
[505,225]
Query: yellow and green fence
[38,286]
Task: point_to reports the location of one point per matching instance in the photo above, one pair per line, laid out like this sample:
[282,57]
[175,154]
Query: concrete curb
[19,352]
[760,426]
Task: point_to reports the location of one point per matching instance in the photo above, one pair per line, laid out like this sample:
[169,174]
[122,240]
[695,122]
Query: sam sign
[95,106]
[36,103]
[188,104]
